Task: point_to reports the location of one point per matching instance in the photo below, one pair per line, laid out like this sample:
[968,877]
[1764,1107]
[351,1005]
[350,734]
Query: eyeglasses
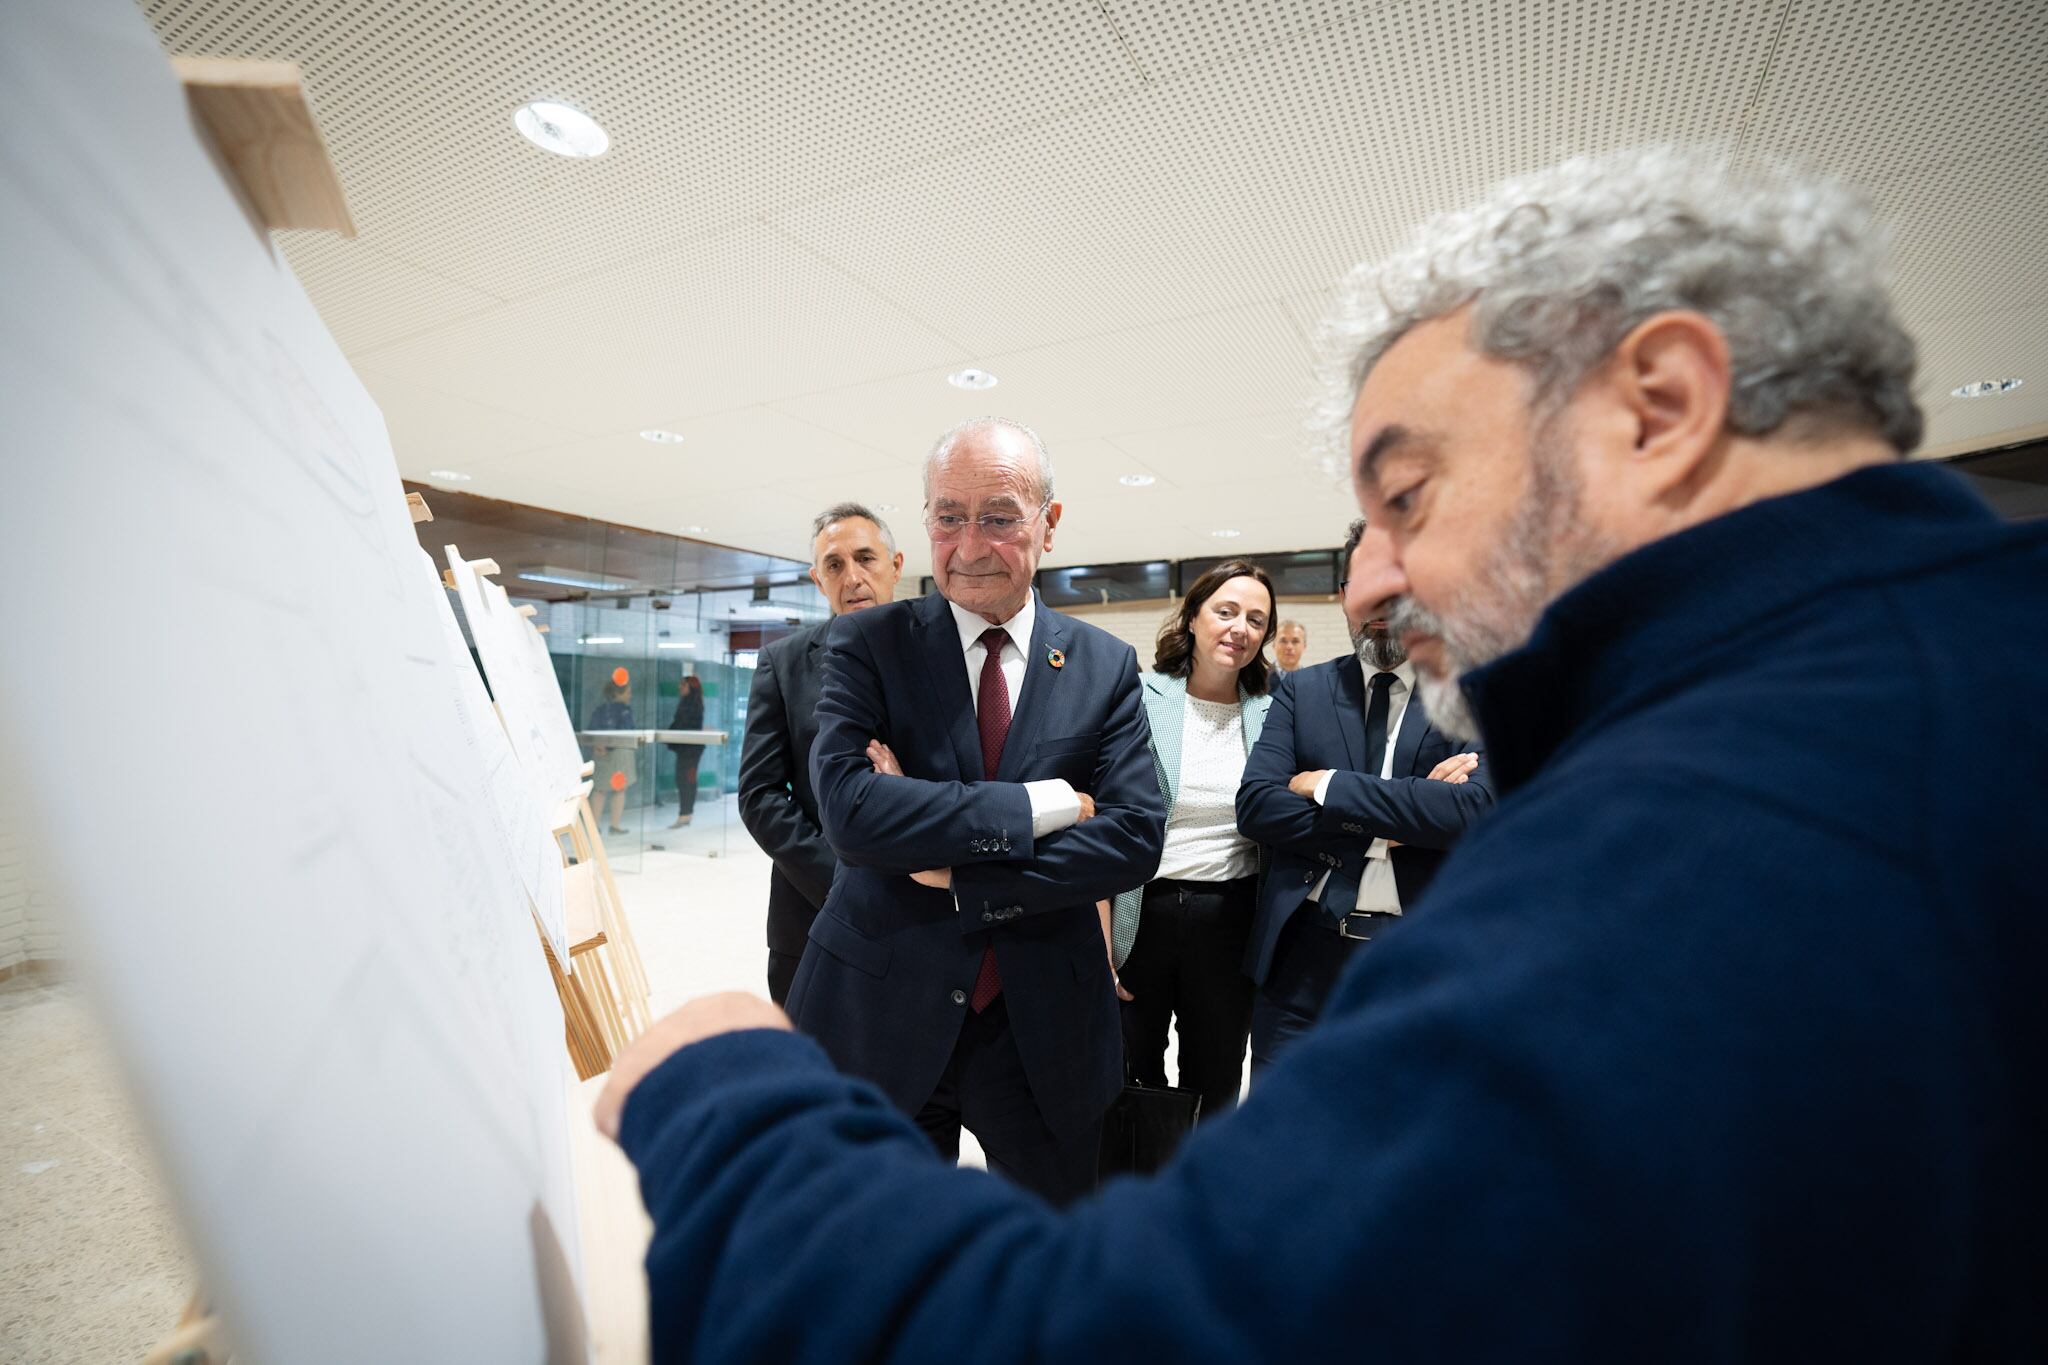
[946,528]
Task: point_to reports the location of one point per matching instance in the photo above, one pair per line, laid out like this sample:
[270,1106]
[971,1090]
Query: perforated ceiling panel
[1129,211]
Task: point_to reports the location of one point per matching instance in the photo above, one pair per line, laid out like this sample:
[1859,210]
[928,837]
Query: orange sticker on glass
[620,676]
[618,782]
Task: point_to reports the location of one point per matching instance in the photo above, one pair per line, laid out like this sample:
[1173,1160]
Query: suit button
[987,916]
[959,997]
[1307,877]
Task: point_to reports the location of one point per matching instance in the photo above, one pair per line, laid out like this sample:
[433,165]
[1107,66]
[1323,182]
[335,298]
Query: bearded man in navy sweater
[1722,1038]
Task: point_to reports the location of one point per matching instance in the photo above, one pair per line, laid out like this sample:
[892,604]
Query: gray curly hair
[1560,264]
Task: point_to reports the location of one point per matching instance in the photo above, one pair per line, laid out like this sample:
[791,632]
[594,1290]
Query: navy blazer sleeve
[768,804]
[897,824]
[1267,812]
[1411,810]
[1100,857]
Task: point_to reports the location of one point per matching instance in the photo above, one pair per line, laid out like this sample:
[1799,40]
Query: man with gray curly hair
[1722,1037]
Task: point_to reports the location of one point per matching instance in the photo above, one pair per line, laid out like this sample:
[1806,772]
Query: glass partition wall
[623,668]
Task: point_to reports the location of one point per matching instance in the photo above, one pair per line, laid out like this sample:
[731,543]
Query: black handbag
[1144,1127]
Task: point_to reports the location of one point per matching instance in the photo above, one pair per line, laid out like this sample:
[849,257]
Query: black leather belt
[1359,924]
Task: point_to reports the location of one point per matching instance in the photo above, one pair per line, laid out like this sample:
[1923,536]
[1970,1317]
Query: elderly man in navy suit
[982,770]
[1357,795]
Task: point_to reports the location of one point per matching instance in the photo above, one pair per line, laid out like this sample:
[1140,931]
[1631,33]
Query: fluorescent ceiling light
[1137,480]
[971,379]
[561,129]
[675,644]
[569,578]
[451,475]
[662,438]
[602,640]
[1984,388]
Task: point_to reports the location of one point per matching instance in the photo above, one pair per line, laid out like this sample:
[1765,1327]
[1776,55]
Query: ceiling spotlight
[885,507]
[1226,534]
[1136,480]
[561,129]
[1984,388]
[693,530]
[971,379]
[451,475]
[662,438]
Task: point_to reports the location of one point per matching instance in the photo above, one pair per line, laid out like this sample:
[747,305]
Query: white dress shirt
[1054,803]
[1376,889]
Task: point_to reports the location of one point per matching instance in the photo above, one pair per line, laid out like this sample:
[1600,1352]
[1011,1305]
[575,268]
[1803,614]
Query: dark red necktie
[992,717]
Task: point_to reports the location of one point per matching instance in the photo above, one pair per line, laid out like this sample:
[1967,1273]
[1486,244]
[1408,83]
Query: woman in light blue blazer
[1178,942]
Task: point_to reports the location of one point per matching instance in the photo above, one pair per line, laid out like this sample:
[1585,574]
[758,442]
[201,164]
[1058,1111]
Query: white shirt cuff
[1323,785]
[1054,805]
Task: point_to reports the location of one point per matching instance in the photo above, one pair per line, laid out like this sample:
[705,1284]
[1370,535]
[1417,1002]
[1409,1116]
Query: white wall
[1138,624]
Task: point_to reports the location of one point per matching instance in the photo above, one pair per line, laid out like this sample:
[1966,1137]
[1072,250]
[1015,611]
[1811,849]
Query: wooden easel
[604,988]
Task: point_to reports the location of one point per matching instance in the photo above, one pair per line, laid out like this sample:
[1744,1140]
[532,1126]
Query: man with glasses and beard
[1357,793]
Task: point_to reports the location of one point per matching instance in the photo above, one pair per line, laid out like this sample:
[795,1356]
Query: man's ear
[1671,376]
[1052,519]
[899,562]
[812,574]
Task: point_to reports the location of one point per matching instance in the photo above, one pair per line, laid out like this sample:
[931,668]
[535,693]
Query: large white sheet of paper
[318,964]
[521,818]
[523,682]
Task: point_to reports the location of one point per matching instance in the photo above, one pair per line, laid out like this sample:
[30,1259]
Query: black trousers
[781,972]
[688,756]
[1307,961]
[1188,966]
[984,1089]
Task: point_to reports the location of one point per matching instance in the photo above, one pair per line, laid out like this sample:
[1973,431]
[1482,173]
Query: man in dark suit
[1357,795]
[855,563]
[983,770]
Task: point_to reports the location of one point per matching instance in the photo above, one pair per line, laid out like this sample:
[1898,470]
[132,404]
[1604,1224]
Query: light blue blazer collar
[1166,704]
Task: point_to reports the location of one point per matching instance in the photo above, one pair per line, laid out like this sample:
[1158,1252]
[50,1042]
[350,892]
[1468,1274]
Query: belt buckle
[1344,925]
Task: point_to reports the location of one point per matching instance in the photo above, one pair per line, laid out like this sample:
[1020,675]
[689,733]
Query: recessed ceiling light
[561,129]
[1984,388]
[971,379]
[885,507]
[1136,480]
[662,438]
[451,475]
[694,530]
[1226,534]
[602,640]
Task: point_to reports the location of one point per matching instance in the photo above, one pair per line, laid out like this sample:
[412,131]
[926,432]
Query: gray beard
[1542,554]
[1376,651]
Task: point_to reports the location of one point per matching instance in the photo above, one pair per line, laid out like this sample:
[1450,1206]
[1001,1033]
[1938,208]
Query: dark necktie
[992,718]
[1376,723]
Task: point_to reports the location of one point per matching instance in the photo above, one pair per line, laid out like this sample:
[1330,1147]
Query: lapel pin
[1055,658]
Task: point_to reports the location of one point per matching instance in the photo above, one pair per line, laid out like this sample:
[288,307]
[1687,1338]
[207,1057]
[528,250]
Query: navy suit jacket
[777,803]
[884,980]
[1317,721]
[1722,1039]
